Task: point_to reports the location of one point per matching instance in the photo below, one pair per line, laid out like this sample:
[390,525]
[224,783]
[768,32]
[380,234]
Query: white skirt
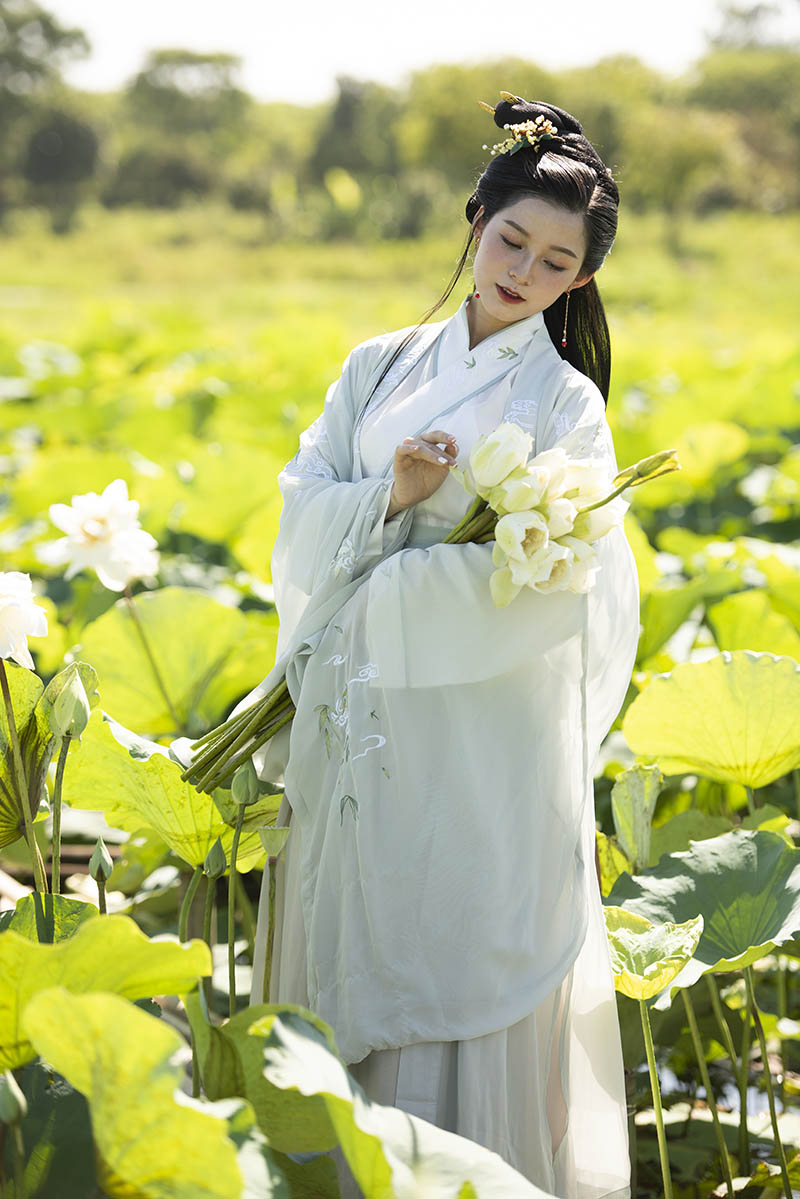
[546,1094]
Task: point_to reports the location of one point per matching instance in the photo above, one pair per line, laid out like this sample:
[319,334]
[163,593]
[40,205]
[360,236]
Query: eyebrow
[524,232]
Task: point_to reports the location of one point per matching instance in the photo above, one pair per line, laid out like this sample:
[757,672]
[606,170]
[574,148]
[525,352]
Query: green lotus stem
[237,832]
[479,524]
[751,801]
[762,1040]
[101,896]
[153,664]
[186,906]
[272,862]
[744,1071]
[654,1086]
[55,865]
[796,781]
[18,1153]
[208,914]
[782,1010]
[477,506]
[249,730]
[701,1061]
[216,738]
[22,783]
[246,909]
[216,776]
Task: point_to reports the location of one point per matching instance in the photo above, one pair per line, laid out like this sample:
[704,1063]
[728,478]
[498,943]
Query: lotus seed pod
[216,862]
[13,1104]
[100,864]
[245,788]
[70,713]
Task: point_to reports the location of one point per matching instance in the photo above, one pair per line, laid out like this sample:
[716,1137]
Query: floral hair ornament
[533,132]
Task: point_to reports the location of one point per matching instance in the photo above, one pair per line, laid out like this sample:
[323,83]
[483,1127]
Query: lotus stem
[216,776]
[22,783]
[249,730]
[712,1105]
[101,896]
[246,909]
[796,781]
[55,864]
[651,1065]
[18,1153]
[237,832]
[186,906]
[751,800]
[150,658]
[211,766]
[208,915]
[270,866]
[477,506]
[783,1007]
[744,1072]
[762,1040]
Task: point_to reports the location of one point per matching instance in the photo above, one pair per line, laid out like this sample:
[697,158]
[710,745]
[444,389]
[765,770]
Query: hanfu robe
[438,903]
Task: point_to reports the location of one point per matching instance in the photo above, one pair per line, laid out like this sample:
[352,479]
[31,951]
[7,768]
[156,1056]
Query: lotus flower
[20,617]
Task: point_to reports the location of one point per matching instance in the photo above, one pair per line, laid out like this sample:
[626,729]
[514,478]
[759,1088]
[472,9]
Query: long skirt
[546,1093]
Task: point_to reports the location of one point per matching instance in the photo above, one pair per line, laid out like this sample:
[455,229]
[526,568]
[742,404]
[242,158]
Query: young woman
[437,903]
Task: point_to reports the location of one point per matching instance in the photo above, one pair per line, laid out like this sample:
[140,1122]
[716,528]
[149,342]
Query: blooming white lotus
[495,455]
[102,534]
[507,582]
[20,617]
[590,526]
[519,535]
[575,572]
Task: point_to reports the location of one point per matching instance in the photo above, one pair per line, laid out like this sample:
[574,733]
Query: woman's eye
[513,244]
[554,267]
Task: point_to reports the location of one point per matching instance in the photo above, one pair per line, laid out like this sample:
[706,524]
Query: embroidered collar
[515,336]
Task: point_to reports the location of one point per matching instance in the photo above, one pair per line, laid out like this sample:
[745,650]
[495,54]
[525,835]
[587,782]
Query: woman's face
[527,255]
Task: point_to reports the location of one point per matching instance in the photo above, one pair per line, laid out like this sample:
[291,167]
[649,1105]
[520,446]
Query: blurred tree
[61,154]
[743,26]
[182,92]
[358,133]
[156,178]
[33,47]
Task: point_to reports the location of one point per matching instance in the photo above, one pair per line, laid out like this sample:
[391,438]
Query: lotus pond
[183,355]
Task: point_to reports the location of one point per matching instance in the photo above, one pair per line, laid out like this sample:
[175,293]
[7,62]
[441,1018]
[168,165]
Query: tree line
[380,161]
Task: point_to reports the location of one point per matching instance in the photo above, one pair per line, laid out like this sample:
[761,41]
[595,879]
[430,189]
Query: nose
[522,272]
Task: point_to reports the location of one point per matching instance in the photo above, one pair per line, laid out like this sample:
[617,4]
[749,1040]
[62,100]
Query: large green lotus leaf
[746,886]
[732,718]
[785,598]
[57,1135]
[147,1145]
[389,1151]
[208,655]
[771,819]
[664,609]
[47,918]
[109,954]
[136,784]
[676,834]
[53,475]
[643,553]
[704,452]
[748,621]
[261,1168]
[633,801]
[646,957]
[232,1063]
[253,546]
[228,483]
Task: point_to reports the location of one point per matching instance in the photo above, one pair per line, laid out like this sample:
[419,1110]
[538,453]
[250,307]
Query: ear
[478,221]
[582,280]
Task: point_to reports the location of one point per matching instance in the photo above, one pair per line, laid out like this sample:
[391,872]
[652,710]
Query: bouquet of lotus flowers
[544,514]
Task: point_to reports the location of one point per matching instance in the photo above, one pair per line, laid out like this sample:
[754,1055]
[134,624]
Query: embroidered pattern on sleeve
[310,461]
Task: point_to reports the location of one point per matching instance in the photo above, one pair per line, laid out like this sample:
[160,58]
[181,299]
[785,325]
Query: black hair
[567,171]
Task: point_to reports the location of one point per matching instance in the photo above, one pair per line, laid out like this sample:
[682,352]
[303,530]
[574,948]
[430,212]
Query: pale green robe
[439,887]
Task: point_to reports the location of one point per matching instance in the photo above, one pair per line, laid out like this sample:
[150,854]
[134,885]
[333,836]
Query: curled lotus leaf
[109,954]
[746,886]
[148,1145]
[732,718]
[646,957]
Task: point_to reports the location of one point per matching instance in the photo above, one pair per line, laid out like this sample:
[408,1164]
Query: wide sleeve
[332,530]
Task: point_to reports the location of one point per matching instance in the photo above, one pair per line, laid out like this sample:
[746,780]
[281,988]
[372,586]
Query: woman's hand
[421,465]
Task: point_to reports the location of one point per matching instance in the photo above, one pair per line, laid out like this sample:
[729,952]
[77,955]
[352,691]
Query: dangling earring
[564,333]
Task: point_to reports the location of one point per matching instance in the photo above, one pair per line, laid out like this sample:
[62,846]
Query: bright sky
[296,48]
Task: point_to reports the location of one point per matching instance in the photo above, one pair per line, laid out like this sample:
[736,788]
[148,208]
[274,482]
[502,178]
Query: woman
[438,903]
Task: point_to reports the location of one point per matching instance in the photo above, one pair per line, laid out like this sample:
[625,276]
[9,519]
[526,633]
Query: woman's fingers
[412,448]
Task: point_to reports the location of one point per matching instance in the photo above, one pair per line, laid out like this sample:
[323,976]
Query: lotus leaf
[704,452]
[136,784]
[147,1144]
[646,957]
[643,553]
[785,598]
[108,954]
[732,718]
[664,609]
[208,655]
[748,621]
[232,1063]
[253,546]
[676,834]
[633,801]
[746,886]
[612,861]
[47,918]
[389,1151]
[57,1135]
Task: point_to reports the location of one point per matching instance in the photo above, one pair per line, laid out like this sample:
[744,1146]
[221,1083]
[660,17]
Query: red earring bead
[477,295]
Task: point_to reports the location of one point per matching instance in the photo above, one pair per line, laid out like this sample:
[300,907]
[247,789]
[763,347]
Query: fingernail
[443,460]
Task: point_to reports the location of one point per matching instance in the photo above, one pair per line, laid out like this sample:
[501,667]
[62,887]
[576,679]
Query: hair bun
[516,110]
